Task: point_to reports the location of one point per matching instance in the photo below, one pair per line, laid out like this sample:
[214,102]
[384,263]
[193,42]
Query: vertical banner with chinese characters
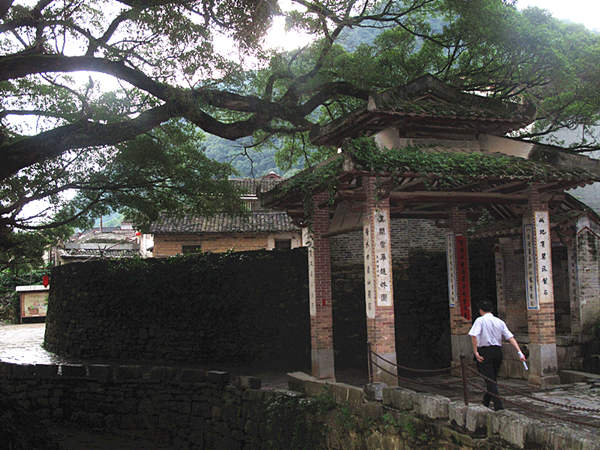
[544,256]
[370,291]
[530,264]
[383,266]
[451,263]
[462,276]
[312,288]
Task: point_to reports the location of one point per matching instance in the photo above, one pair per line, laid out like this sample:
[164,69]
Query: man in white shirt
[487,334]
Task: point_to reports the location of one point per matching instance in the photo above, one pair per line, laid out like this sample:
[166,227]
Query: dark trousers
[492,359]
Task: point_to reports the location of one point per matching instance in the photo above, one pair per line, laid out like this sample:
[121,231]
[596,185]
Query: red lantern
[45,280]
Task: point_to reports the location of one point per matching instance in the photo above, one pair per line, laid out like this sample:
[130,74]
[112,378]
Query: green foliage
[246,307]
[300,423]
[452,168]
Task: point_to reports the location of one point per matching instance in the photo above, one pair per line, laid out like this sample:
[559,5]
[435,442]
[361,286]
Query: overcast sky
[586,12]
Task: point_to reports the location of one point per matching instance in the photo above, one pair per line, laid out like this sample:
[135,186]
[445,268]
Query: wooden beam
[456,197]
[418,214]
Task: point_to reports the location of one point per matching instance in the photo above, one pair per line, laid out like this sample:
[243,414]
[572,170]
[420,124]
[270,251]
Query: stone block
[218,377]
[192,376]
[161,373]
[297,380]
[73,371]
[100,372]
[316,387]
[5,369]
[247,382]
[23,370]
[477,418]
[46,370]
[372,410]
[356,396]
[457,414]
[511,427]
[374,391]
[432,406]
[399,398]
[125,373]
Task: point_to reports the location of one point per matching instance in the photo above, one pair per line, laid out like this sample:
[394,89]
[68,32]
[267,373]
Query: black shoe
[486,404]
[498,408]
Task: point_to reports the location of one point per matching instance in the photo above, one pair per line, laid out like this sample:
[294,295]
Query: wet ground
[23,344]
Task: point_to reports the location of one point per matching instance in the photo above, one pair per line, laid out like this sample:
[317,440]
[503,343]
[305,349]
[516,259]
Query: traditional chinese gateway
[429,151]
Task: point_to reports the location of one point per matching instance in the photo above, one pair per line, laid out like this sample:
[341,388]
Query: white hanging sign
[544,256]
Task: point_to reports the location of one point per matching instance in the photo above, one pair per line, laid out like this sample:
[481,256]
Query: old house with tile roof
[258,228]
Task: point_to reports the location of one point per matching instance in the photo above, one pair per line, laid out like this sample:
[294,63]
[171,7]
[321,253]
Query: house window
[191,249]
[283,244]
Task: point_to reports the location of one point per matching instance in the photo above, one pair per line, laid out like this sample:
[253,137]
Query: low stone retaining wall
[472,426]
[192,408]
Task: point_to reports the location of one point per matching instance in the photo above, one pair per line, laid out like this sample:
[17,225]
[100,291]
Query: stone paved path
[23,344]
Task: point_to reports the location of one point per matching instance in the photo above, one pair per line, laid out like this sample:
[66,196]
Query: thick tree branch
[25,152]
[18,66]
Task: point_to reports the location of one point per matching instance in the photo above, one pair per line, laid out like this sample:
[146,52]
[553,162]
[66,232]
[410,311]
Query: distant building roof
[255,185]
[252,222]
[257,222]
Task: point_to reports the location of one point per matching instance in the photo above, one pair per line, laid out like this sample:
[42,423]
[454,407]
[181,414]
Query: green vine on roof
[449,167]
[446,167]
[316,179]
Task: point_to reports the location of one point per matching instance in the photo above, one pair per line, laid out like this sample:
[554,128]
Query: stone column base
[387,376]
[461,345]
[322,364]
[543,366]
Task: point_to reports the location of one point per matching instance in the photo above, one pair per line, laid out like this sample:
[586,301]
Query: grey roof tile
[224,223]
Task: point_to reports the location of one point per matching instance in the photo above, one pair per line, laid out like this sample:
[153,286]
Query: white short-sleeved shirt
[489,330]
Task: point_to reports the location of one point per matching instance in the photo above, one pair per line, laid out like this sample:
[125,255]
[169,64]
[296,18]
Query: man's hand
[521,356]
[478,357]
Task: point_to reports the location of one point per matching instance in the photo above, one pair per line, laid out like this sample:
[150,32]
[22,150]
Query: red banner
[462,277]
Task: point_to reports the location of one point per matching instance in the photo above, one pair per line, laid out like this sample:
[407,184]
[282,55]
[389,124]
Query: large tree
[127,147]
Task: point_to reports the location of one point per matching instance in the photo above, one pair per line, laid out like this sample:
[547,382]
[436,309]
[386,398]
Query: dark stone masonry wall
[188,408]
[245,307]
[408,235]
[181,408]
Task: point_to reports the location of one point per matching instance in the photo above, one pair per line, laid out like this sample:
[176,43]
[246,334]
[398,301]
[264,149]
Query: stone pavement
[23,344]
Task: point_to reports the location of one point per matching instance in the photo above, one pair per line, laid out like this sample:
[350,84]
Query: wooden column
[537,246]
[459,286]
[319,276]
[379,291]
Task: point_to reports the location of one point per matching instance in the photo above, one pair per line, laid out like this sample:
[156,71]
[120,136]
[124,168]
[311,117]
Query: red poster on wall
[462,276]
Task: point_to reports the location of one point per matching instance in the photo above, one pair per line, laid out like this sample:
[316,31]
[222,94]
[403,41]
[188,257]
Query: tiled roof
[252,185]
[425,107]
[224,223]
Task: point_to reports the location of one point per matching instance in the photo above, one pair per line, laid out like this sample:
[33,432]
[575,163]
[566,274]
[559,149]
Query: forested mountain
[253,162]
[259,162]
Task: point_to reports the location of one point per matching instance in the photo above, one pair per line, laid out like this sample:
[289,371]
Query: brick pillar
[379,291]
[537,249]
[587,270]
[319,277]
[500,279]
[459,286]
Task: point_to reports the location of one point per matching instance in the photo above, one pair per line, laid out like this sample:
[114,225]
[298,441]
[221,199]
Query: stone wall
[191,408]
[408,235]
[236,307]
[182,408]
